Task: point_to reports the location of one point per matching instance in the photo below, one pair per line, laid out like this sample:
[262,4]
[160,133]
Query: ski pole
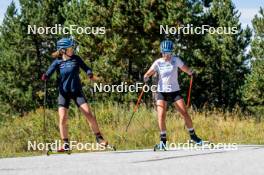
[93,100]
[92,91]
[44,111]
[136,107]
[189,92]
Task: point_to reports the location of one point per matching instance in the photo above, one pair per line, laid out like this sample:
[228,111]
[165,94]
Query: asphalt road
[247,159]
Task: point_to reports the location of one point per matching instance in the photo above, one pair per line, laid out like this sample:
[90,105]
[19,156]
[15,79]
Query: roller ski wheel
[201,143]
[111,147]
[160,147]
[102,142]
[60,151]
[107,147]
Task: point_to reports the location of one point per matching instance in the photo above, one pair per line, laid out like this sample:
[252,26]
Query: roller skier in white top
[169,90]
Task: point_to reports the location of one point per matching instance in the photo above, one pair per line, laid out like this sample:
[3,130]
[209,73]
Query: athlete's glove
[191,73]
[90,75]
[146,79]
[44,77]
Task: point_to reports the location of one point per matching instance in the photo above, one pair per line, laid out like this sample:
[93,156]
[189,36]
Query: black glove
[146,79]
[90,75]
[44,77]
[192,73]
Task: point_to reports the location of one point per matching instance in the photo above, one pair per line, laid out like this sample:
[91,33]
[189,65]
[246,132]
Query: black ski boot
[195,138]
[65,149]
[100,140]
[162,144]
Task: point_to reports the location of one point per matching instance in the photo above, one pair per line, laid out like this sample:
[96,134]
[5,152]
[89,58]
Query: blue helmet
[166,46]
[65,43]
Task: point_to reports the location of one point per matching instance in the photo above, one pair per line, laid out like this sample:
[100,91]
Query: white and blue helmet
[166,46]
[65,43]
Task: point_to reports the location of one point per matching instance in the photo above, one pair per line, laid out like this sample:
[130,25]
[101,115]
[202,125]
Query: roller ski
[162,145]
[196,141]
[103,143]
[64,150]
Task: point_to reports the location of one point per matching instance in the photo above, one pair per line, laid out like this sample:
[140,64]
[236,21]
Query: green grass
[143,132]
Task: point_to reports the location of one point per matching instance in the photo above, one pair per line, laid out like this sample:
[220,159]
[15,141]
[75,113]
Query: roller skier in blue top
[68,65]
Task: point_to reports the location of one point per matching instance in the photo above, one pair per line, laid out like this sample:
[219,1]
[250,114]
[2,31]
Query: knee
[63,120]
[185,114]
[161,116]
[88,115]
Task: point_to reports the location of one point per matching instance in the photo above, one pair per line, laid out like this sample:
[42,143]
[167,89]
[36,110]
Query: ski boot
[195,139]
[160,147]
[162,144]
[64,150]
[198,141]
[104,143]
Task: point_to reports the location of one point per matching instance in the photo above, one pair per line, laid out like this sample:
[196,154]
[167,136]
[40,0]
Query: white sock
[190,129]
[162,132]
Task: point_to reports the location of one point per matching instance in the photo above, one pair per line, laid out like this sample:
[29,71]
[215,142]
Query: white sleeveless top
[168,73]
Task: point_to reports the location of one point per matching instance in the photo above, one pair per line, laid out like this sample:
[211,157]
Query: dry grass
[143,132]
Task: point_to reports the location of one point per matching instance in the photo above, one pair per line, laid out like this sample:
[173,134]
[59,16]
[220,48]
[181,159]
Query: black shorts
[65,98]
[169,96]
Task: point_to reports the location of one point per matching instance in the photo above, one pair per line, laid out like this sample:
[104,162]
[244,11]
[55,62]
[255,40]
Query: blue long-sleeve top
[69,80]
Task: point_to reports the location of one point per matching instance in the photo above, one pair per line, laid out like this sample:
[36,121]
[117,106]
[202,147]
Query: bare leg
[63,116]
[161,109]
[90,118]
[180,106]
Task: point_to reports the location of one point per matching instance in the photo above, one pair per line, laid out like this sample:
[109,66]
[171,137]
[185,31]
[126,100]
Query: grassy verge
[143,132]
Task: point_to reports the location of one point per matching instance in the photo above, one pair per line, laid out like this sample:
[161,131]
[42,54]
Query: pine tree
[219,58]
[253,90]
[15,89]
[132,38]
[23,56]
[126,50]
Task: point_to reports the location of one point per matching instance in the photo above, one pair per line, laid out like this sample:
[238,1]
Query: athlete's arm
[183,67]
[148,74]
[151,71]
[187,70]
[84,67]
[51,69]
